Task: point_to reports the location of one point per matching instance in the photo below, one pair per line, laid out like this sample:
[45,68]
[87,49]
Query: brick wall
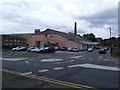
[52,38]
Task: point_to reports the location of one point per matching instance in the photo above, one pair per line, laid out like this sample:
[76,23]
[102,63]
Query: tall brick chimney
[75,28]
[37,30]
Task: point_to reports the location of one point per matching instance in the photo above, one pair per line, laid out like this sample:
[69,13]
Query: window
[11,44]
[11,40]
[6,44]
[18,40]
[15,40]
[18,43]
[6,40]
[15,44]
[51,36]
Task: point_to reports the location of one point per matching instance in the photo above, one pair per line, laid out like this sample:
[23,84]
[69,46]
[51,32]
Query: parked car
[69,49]
[49,50]
[76,49]
[106,48]
[57,48]
[63,48]
[33,49]
[90,49]
[19,48]
[40,50]
[102,51]
[98,47]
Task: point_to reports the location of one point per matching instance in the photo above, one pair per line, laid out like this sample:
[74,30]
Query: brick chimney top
[37,30]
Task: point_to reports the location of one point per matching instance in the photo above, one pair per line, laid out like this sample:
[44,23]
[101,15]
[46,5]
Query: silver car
[90,49]
[76,49]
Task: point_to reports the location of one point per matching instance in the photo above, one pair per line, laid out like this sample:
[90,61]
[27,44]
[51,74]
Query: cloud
[24,16]
[108,16]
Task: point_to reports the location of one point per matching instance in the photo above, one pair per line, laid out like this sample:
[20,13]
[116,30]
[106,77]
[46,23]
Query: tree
[112,42]
[90,37]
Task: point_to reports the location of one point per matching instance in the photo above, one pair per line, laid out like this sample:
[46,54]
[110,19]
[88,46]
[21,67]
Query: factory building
[51,37]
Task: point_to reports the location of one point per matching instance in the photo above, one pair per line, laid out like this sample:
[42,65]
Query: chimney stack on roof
[75,28]
[37,30]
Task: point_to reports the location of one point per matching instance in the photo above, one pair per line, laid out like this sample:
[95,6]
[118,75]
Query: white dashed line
[45,70]
[51,60]
[13,59]
[58,68]
[26,73]
[87,65]
[76,57]
[26,61]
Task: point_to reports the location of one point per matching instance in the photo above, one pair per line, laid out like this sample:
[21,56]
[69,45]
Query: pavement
[84,70]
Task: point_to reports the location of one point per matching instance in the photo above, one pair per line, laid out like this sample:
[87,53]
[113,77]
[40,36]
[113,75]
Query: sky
[92,16]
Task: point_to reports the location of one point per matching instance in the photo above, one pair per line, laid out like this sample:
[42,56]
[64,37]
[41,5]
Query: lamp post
[110,31]
[110,37]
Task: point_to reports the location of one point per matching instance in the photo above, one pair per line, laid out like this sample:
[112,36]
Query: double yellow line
[73,85]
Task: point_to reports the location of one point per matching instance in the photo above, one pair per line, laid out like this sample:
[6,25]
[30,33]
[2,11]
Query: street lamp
[110,31]
[110,37]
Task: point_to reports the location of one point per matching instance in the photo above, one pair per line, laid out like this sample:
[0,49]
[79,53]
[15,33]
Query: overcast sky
[92,16]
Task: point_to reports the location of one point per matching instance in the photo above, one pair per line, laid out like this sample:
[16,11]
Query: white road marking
[58,68]
[26,61]
[69,61]
[51,60]
[76,57]
[26,73]
[87,65]
[45,70]
[13,59]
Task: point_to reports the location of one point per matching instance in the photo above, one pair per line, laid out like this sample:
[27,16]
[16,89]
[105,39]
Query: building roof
[89,43]
[19,34]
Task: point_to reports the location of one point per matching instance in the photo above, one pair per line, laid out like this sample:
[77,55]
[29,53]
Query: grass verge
[5,49]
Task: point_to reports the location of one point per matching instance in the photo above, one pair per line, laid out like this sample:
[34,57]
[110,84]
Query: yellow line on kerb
[51,80]
[100,56]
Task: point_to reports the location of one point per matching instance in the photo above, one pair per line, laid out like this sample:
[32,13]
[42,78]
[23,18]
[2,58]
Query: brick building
[12,41]
[99,40]
[61,39]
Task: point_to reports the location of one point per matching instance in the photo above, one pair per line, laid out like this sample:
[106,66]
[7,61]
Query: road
[82,69]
